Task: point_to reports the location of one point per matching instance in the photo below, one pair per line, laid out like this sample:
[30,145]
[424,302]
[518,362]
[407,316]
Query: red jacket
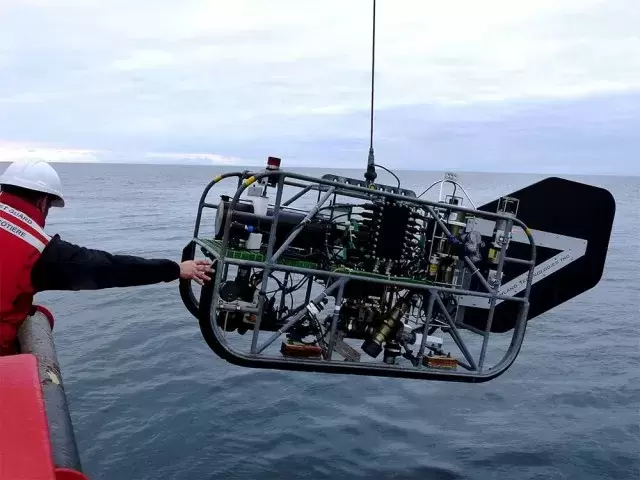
[22,240]
[27,267]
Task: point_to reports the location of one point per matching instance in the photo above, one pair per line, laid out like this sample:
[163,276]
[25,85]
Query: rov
[369,279]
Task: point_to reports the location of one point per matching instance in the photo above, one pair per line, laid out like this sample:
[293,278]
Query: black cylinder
[35,337]
[313,235]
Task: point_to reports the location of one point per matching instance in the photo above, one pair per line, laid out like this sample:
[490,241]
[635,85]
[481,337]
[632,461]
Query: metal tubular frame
[206,309]
[453,182]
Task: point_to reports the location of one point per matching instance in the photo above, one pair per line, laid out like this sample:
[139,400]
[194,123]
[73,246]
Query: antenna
[370,175]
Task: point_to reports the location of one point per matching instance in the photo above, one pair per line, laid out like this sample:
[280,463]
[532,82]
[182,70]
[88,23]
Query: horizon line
[252,165]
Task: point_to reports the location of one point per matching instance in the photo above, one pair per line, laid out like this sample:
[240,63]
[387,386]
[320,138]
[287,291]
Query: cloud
[200,158]
[246,79]
[11,152]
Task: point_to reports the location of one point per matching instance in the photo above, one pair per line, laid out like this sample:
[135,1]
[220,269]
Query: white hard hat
[35,175]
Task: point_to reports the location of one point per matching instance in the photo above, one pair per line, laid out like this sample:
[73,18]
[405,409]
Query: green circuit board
[212,249]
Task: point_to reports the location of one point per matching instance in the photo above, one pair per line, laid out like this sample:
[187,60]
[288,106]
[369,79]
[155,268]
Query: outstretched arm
[65,266]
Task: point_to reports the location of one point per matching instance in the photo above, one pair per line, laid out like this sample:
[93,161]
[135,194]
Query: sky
[546,86]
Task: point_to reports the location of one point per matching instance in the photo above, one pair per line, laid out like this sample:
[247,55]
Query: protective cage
[382,272]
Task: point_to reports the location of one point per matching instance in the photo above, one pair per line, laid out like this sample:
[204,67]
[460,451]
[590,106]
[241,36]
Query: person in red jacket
[31,261]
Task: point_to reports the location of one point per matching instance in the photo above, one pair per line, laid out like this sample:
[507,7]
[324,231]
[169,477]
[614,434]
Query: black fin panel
[563,216]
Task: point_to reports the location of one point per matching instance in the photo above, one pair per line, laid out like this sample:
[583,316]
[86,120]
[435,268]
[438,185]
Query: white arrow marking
[571,249]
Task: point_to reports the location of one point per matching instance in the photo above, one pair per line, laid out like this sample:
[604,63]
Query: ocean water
[149,400]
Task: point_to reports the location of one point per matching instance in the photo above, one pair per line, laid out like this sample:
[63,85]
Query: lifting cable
[370,174]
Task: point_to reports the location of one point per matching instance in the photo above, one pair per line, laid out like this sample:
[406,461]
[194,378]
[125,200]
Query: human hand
[196,270]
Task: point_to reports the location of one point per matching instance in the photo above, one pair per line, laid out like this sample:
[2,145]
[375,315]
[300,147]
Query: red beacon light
[273,163]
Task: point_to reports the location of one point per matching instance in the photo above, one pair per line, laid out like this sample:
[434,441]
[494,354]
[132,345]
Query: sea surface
[150,400]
